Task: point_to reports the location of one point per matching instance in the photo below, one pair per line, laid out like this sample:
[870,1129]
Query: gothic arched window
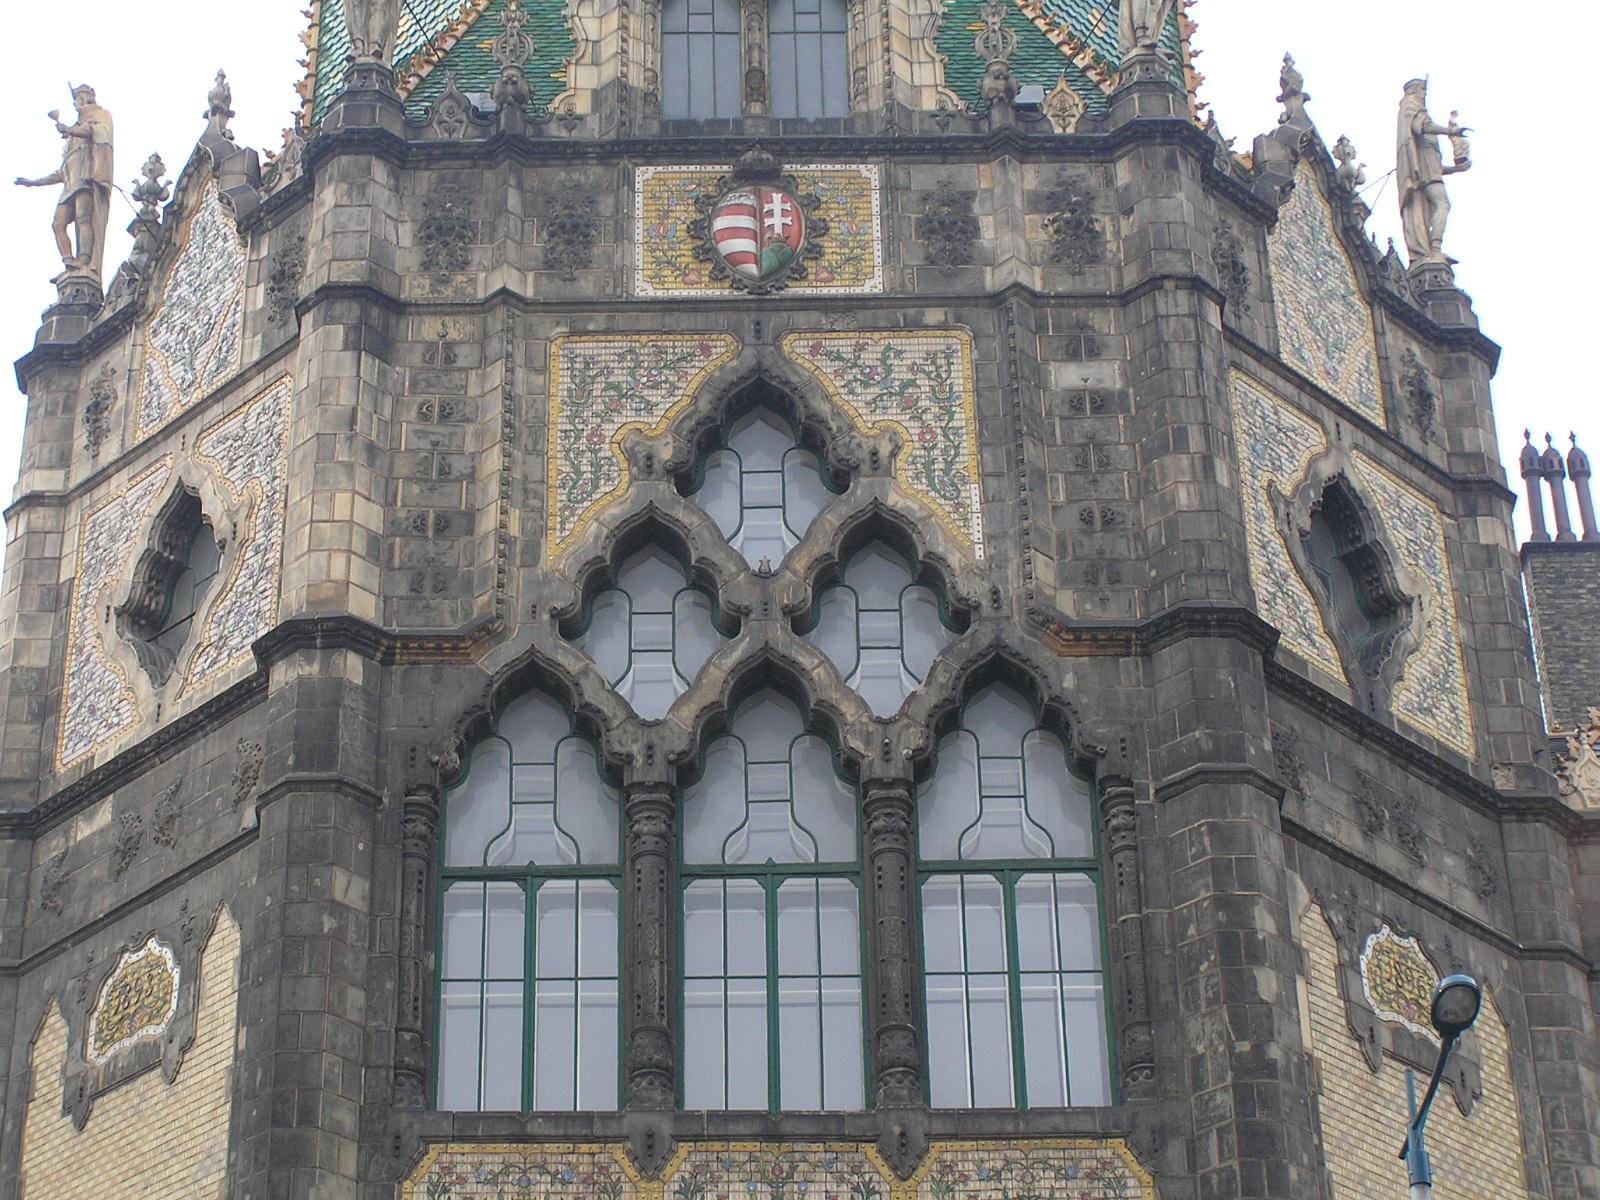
[721,58]
[176,573]
[1013,961]
[528,1007]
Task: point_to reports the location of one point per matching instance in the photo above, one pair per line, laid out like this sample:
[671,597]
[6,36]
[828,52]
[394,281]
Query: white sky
[1526,271]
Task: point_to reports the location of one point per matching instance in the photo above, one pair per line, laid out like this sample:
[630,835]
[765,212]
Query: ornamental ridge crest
[1399,981]
[757,230]
[137,1001]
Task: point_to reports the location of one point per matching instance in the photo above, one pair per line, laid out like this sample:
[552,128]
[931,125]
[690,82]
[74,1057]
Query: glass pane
[835,632]
[881,681]
[714,806]
[463,931]
[799,949]
[704,1047]
[989,1018]
[799,1044]
[1038,939]
[480,808]
[1057,799]
[948,803]
[984,926]
[941,924]
[948,1084]
[825,804]
[804,493]
[606,638]
[694,638]
[747,1041]
[839,924]
[922,632]
[459,1055]
[597,929]
[533,723]
[652,685]
[1088,1072]
[1078,921]
[842,1082]
[1044,1040]
[745,905]
[999,719]
[555,1042]
[587,810]
[555,943]
[719,494]
[768,724]
[506,909]
[597,1044]
[702,928]
[502,1033]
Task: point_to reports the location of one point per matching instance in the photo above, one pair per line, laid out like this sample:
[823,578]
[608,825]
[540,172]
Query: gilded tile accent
[601,388]
[1276,443]
[98,702]
[137,1001]
[527,1171]
[667,200]
[922,383]
[1398,981]
[192,342]
[1480,1155]
[1066,1169]
[776,1171]
[1433,693]
[248,451]
[1324,326]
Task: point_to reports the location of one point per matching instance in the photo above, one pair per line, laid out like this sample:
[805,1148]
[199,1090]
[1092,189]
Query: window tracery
[175,575]
[726,58]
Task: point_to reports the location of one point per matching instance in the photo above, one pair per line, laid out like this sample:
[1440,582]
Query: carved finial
[995,45]
[765,567]
[1291,93]
[1577,460]
[1064,106]
[1350,173]
[219,107]
[150,191]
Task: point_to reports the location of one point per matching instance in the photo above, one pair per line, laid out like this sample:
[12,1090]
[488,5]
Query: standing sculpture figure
[1420,172]
[85,178]
[1141,24]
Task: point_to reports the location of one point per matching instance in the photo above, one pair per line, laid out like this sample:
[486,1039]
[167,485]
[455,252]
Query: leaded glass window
[1013,959]
[701,61]
[528,997]
[880,627]
[810,58]
[761,489]
[651,633]
[707,53]
[772,1014]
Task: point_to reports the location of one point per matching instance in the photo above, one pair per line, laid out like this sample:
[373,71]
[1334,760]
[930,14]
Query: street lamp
[1455,1007]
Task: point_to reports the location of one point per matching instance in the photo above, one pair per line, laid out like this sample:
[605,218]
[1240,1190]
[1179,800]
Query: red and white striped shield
[758,230]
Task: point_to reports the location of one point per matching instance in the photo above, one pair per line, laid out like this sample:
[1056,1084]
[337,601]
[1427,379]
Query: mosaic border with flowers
[602,387]
[1050,1169]
[924,383]
[1276,442]
[192,341]
[247,451]
[667,199]
[1432,694]
[1324,326]
[98,701]
[137,1001]
[1398,981]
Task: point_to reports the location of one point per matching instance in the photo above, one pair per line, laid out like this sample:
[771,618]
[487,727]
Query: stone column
[891,941]
[1532,475]
[1578,469]
[757,86]
[651,879]
[1135,1045]
[419,828]
[1555,474]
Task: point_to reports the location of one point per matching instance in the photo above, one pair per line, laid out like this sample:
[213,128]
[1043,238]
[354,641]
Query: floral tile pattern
[1276,442]
[98,702]
[601,388]
[775,1171]
[1398,981]
[1433,693]
[921,382]
[666,200]
[554,1171]
[248,451]
[192,342]
[1324,326]
[137,1001]
[1074,1169]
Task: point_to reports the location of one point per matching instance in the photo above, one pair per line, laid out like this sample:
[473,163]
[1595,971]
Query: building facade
[818,598]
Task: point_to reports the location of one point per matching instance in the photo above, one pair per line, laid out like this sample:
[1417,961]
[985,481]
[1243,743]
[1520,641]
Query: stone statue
[1420,172]
[219,107]
[1351,173]
[372,29]
[1292,93]
[85,179]
[998,86]
[1141,24]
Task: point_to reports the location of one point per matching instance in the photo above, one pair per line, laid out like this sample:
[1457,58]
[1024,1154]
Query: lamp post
[1455,1007]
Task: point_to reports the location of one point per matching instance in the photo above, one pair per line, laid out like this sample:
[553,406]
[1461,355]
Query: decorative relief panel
[1398,981]
[1065,1169]
[98,701]
[192,343]
[1276,443]
[1578,770]
[1324,326]
[137,1002]
[1432,695]
[247,450]
[667,200]
[600,389]
[922,383]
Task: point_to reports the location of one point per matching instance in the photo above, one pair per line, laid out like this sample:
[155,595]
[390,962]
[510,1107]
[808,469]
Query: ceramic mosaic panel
[98,702]
[553,1171]
[1072,1169]
[667,200]
[1432,695]
[248,451]
[192,343]
[775,1171]
[1276,442]
[601,388]
[922,383]
[1324,326]
[137,1002]
[1398,981]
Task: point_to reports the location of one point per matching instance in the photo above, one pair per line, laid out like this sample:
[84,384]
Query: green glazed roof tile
[474,65]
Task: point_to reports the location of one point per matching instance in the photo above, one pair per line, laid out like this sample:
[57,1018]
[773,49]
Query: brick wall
[1563,580]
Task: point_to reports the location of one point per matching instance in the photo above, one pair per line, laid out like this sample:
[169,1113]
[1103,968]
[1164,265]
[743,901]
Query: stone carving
[1136,1050]
[137,1001]
[1392,270]
[1076,240]
[85,178]
[283,279]
[758,229]
[921,382]
[1408,834]
[446,230]
[1324,325]
[512,48]
[994,45]
[53,884]
[1350,173]
[1578,770]
[1292,94]
[167,811]
[247,771]
[419,825]
[219,109]
[570,231]
[1233,270]
[897,1058]
[130,836]
[948,226]
[1286,758]
[1371,813]
[651,849]
[1398,981]
[290,160]
[451,115]
[1482,874]
[669,201]
[1064,106]
[1416,385]
[150,192]
[1140,24]
[1420,172]
[102,398]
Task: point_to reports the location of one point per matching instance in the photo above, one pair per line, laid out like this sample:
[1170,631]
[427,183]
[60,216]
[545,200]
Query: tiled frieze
[667,200]
[98,701]
[137,1001]
[1361,1111]
[1064,1169]
[1324,326]
[1398,981]
[247,451]
[601,388]
[922,383]
[192,341]
[1276,443]
[1432,695]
